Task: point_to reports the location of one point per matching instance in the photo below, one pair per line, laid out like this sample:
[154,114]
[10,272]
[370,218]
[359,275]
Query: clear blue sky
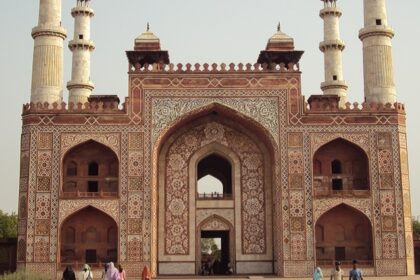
[202,31]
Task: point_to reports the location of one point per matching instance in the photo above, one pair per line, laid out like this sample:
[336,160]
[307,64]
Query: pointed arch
[165,154]
[225,112]
[340,167]
[89,243]
[90,174]
[343,239]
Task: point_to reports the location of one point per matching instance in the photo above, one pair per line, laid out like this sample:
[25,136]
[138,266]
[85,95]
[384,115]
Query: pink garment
[112,273]
[122,275]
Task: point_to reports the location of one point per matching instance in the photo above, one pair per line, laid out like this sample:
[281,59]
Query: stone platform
[415,277]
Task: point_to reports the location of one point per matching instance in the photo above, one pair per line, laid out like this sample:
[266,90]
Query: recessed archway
[90,170]
[340,168]
[343,233]
[241,148]
[88,236]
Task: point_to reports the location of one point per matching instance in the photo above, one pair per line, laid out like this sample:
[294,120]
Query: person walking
[121,272]
[112,273]
[68,273]
[337,273]
[317,274]
[104,272]
[86,273]
[355,273]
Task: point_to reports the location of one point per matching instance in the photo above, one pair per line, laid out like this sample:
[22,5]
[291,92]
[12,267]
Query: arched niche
[90,169]
[214,177]
[340,168]
[84,238]
[346,235]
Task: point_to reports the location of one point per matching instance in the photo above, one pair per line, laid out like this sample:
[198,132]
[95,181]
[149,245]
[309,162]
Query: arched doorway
[231,153]
[340,168]
[215,246]
[90,170]
[88,236]
[343,234]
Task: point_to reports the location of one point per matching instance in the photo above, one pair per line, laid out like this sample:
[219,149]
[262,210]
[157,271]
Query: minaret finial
[279,27]
[148,27]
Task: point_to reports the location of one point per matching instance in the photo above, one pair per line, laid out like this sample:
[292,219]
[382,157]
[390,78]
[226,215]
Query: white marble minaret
[332,47]
[47,68]
[80,87]
[378,66]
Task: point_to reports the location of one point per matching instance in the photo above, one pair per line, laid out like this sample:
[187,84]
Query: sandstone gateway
[304,180]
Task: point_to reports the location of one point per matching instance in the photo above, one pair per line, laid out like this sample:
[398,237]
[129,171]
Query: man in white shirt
[337,273]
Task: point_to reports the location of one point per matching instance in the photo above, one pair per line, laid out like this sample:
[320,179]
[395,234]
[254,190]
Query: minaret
[332,47]
[80,87]
[47,68]
[377,54]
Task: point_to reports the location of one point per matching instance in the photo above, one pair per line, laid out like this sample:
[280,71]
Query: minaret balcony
[330,11]
[81,44]
[332,44]
[334,85]
[376,30]
[82,10]
[49,30]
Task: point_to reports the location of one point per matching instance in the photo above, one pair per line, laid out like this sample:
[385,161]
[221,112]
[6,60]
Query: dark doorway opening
[93,186]
[340,253]
[215,258]
[90,256]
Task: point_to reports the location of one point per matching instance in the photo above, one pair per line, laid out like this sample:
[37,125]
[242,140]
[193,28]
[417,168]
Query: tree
[8,225]
[416,227]
[207,245]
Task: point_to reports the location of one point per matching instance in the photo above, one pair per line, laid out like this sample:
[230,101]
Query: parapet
[101,105]
[213,68]
[330,104]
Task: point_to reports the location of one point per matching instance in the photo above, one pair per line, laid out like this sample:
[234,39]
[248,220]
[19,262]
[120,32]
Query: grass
[23,275]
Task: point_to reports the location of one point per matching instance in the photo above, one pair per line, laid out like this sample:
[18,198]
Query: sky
[202,31]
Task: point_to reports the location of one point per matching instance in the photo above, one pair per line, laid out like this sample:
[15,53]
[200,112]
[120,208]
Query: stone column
[332,47]
[80,87]
[378,66]
[47,68]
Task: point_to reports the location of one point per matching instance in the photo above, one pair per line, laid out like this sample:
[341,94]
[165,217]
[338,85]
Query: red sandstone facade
[308,182]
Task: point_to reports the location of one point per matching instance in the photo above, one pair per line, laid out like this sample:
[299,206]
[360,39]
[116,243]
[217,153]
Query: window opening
[93,169]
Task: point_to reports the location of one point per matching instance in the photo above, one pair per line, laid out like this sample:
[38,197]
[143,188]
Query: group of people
[338,274]
[110,273]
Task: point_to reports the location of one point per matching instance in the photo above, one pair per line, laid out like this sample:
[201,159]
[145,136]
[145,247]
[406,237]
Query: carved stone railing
[213,68]
[214,196]
[79,194]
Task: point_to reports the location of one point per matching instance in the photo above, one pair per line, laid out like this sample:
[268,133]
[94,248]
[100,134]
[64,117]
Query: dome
[280,41]
[147,41]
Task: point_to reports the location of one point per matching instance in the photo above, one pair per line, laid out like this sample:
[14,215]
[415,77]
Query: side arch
[347,235]
[89,243]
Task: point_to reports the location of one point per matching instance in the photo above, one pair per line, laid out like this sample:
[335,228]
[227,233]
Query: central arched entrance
[239,162]
[88,236]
